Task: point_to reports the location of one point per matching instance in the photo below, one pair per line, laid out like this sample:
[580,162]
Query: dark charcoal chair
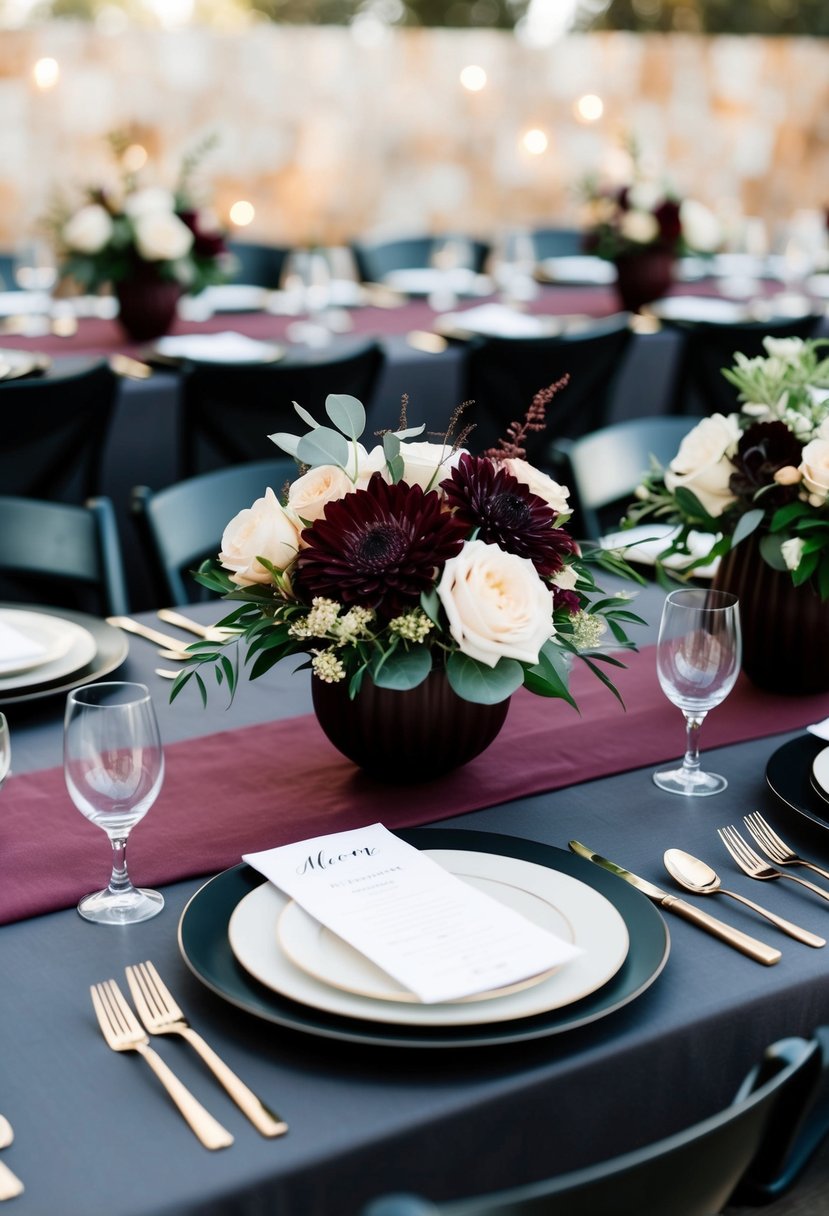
[62,554]
[504,374]
[229,410]
[376,259]
[7,279]
[53,433]
[699,386]
[557,242]
[260,265]
[182,525]
[603,469]
[758,1145]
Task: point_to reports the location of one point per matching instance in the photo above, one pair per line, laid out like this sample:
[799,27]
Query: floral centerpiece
[132,234]
[390,566]
[759,479]
[641,225]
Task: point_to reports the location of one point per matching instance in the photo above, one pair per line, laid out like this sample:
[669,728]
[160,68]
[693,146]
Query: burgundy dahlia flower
[507,513]
[379,547]
[763,449]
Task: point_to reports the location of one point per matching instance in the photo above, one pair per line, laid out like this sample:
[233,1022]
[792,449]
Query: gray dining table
[95,1135]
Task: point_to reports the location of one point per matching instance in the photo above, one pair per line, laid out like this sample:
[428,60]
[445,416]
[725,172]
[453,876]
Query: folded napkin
[496,319]
[225,347]
[17,647]
[646,542]
[820,729]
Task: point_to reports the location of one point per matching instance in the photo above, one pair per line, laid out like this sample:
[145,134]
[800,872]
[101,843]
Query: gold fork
[161,1015]
[775,847]
[122,1032]
[752,864]
[10,1184]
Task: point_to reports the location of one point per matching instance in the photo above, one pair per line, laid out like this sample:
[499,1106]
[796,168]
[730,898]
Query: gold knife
[151,635]
[755,949]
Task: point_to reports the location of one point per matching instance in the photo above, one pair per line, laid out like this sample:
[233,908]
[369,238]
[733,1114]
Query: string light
[242,213]
[473,78]
[588,108]
[134,158]
[46,72]
[534,141]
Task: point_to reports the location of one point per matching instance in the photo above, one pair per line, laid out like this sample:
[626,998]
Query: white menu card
[434,933]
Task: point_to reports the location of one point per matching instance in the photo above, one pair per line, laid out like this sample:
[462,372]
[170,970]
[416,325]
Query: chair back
[54,429]
[182,525]
[699,387]
[603,469]
[260,265]
[692,1173]
[557,242]
[502,376]
[229,410]
[376,259]
[62,554]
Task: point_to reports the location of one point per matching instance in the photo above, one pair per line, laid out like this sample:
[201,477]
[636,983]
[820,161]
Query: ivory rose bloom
[539,483]
[309,494]
[262,530]
[702,464]
[814,465]
[89,229]
[161,236]
[639,226]
[792,551]
[426,464]
[149,202]
[497,605]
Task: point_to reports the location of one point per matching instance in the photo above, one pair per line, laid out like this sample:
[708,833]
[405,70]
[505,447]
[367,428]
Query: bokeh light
[134,158]
[588,108]
[534,141]
[242,213]
[473,78]
[46,73]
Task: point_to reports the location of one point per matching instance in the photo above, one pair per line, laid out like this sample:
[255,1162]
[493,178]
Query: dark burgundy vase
[785,628]
[146,304]
[643,277]
[405,737]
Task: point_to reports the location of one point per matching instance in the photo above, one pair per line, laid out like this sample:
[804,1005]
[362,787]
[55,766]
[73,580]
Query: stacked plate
[42,653]
[253,946]
[798,773]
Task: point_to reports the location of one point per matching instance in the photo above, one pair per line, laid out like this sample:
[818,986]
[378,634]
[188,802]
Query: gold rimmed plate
[108,650]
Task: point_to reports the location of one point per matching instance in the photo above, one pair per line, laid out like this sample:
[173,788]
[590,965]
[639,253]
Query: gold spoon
[10,1184]
[697,876]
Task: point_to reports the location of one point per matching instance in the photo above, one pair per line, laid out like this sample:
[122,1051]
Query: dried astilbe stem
[535,419]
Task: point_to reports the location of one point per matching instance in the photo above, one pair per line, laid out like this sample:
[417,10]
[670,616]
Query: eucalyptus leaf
[404,669]
[347,413]
[771,552]
[305,416]
[747,524]
[323,446]
[410,432]
[289,443]
[474,681]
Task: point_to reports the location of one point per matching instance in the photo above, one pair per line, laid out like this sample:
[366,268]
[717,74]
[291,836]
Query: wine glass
[114,765]
[5,749]
[697,662]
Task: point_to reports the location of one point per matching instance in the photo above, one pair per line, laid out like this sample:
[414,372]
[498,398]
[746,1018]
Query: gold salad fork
[775,847]
[754,865]
[161,1015]
[122,1032]
[10,1184]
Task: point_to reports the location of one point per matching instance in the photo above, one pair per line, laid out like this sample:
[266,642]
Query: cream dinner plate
[580,913]
[68,647]
[820,773]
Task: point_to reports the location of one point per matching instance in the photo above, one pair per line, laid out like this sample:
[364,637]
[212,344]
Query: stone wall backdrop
[329,137]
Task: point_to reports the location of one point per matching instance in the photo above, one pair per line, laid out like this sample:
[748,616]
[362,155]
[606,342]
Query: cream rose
[700,227]
[814,466]
[149,202]
[89,229]
[702,464]
[497,605]
[639,226]
[426,464]
[309,494]
[539,483]
[792,551]
[161,236]
[262,530]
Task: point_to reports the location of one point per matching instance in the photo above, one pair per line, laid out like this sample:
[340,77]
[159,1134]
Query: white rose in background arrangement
[792,551]
[639,226]
[539,483]
[702,464]
[700,227]
[161,236]
[89,229]
[645,195]
[149,202]
[309,494]
[262,530]
[814,466]
[427,464]
[497,605]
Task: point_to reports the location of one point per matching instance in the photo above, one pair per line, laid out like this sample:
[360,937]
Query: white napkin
[646,542]
[821,729]
[496,319]
[225,347]
[16,647]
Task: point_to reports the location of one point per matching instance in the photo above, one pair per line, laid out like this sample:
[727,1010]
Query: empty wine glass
[697,662]
[114,765]
[5,749]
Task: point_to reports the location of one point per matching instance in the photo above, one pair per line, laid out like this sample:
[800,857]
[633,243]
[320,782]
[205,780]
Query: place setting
[44,652]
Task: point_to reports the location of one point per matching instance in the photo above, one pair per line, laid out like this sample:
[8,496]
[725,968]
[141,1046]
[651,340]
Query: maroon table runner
[264,785]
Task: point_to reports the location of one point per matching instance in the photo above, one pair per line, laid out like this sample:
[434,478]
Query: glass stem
[119,882]
[693,725]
